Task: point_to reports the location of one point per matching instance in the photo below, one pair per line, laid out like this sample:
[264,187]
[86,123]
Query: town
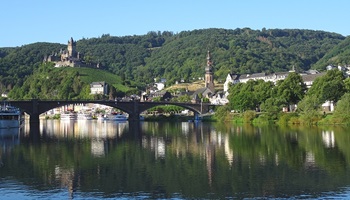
[158,91]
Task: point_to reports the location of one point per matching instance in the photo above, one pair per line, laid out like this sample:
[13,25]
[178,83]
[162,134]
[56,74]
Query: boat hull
[117,118]
[68,116]
[10,123]
[84,117]
[10,117]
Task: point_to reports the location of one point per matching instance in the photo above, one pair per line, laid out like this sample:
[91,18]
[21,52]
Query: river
[179,160]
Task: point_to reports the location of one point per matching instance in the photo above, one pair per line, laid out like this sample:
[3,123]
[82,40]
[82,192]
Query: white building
[99,88]
[160,85]
[243,78]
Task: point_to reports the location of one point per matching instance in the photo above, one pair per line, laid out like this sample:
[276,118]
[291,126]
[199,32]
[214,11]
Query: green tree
[263,90]
[329,87]
[222,113]
[292,89]
[342,109]
[242,96]
[309,109]
[347,84]
[112,92]
[182,98]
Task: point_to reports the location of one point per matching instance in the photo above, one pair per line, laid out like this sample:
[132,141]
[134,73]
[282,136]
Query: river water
[178,160]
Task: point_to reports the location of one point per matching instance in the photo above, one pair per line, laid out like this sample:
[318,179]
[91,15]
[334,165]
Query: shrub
[248,116]
[311,117]
[262,119]
[285,118]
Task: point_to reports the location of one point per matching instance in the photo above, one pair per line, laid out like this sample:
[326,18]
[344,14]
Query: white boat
[10,117]
[101,117]
[84,116]
[117,117]
[68,116]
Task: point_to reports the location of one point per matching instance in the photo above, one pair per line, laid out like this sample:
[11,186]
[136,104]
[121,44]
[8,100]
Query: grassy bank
[295,118]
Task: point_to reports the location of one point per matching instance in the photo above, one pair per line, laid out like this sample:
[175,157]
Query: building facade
[99,88]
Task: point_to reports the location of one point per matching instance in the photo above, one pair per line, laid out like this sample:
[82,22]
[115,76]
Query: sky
[29,21]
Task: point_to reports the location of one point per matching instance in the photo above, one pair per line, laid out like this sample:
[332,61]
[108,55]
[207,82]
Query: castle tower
[209,74]
[71,48]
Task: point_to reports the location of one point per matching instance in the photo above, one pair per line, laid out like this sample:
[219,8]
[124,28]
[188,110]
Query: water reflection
[177,160]
[82,128]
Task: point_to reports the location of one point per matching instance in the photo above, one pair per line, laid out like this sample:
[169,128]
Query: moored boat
[117,117]
[68,116]
[84,116]
[10,117]
[101,117]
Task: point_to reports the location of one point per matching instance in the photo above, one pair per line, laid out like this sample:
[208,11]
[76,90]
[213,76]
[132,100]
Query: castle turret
[72,48]
[209,74]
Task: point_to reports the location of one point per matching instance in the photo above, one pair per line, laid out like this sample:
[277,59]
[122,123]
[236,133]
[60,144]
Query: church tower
[72,48]
[209,74]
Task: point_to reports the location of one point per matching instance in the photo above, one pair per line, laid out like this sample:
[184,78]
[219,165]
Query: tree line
[139,59]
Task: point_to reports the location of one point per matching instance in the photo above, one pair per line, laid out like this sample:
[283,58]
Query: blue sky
[29,21]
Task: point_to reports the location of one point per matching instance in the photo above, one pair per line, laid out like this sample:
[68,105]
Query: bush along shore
[285,118]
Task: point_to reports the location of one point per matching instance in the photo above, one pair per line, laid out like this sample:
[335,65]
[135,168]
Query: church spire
[209,74]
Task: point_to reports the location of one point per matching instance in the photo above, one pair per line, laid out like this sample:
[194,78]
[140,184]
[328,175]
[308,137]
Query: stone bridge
[36,107]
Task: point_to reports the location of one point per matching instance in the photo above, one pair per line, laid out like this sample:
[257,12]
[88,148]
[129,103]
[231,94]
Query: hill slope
[139,59]
[339,55]
[48,82]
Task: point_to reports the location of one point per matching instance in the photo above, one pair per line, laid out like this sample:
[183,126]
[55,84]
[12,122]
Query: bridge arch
[36,107]
[149,105]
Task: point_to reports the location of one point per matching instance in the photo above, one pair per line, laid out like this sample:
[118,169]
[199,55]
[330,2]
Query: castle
[69,57]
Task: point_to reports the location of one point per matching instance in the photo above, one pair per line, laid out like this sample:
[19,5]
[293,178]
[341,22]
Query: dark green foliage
[339,55]
[329,87]
[140,59]
[49,82]
[342,110]
[250,95]
[222,113]
[292,89]
[182,98]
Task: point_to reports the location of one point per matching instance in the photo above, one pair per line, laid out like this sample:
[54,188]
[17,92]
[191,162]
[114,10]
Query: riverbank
[316,118]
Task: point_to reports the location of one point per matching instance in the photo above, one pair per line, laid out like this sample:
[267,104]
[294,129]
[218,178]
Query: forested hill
[140,59]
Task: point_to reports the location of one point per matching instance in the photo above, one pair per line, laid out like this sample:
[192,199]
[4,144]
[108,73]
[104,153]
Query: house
[219,99]
[160,85]
[99,88]
[202,92]
[246,77]
[312,71]
[330,67]
[230,79]
[243,78]
[164,95]
[309,79]
[328,106]
[4,95]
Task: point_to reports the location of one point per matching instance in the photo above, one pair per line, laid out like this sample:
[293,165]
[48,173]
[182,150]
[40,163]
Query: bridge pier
[34,120]
[197,117]
[135,115]
[34,127]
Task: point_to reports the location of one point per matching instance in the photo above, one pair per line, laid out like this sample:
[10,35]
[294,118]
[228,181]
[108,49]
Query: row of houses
[307,76]
[220,97]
